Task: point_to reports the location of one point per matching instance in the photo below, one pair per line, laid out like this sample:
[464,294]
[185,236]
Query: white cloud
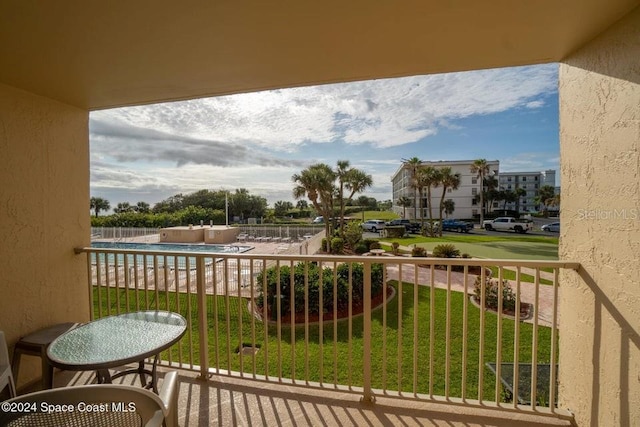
[258,140]
[385,112]
[535,104]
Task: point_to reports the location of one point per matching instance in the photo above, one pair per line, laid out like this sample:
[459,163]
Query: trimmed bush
[369,242]
[361,248]
[491,294]
[395,248]
[342,272]
[375,245]
[395,231]
[418,251]
[337,246]
[446,250]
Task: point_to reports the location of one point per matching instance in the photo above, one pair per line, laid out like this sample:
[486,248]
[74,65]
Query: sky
[259,140]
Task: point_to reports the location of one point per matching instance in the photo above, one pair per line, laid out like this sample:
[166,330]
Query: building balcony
[384,340]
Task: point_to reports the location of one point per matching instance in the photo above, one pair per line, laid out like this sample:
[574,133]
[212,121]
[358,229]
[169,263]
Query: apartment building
[466,197]
[529,182]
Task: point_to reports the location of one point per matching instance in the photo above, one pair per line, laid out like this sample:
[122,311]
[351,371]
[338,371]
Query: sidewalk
[527,289]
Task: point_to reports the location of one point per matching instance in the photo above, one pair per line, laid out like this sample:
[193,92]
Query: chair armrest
[169,396]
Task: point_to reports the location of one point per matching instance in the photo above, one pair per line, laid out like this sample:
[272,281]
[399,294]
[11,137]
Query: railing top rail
[426,261]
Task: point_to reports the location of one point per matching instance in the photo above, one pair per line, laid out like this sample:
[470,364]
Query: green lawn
[392,356]
[482,246]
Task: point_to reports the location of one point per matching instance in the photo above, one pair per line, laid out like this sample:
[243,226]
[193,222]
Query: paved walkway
[527,289]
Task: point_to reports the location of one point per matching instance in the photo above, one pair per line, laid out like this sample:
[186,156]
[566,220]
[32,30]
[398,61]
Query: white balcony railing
[412,327]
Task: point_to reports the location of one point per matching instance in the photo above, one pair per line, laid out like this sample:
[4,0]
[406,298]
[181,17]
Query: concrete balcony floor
[225,401]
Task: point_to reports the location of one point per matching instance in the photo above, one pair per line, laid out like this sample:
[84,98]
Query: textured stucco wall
[600,163]
[44,214]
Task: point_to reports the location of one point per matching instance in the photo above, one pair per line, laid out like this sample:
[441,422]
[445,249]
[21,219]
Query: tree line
[181,209]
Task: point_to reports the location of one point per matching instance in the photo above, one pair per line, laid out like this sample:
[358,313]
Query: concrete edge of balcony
[230,400]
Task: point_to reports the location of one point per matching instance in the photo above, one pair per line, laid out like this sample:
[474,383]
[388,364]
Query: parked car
[455,225]
[505,223]
[373,225]
[411,227]
[554,227]
[318,220]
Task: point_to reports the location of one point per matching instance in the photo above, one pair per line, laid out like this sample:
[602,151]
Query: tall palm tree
[449,207]
[413,165]
[447,179]
[317,183]
[98,204]
[356,181]
[405,202]
[142,207]
[426,178]
[481,168]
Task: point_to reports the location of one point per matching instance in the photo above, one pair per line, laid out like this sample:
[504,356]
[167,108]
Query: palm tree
[553,201]
[405,202]
[413,165]
[99,204]
[447,179]
[545,193]
[142,207]
[301,205]
[427,177]
[449,207]
[481,168]
[356,181]
[520,193]
[123,207]
[342,170]
[317,183]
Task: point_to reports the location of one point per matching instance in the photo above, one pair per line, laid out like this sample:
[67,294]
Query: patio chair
[98,405]
[6,377]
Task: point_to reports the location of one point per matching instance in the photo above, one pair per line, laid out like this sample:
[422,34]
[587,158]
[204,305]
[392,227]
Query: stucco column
[600,214]
[44,214]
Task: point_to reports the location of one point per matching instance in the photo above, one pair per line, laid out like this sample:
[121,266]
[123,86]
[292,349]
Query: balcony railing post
[202,317]
[366,335]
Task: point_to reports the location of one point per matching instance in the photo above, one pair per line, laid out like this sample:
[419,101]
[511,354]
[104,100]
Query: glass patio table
[116,341]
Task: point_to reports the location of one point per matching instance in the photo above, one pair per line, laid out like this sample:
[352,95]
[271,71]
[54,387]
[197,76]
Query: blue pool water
[159,260]
[171,247]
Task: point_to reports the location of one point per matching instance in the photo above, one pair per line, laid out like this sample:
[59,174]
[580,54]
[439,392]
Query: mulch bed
[356,309]
[526,309]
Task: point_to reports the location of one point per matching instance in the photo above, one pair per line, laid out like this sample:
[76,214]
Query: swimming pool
[159,260]
[172,247]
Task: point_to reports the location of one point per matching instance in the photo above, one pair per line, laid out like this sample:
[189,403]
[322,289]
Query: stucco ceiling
[121,52]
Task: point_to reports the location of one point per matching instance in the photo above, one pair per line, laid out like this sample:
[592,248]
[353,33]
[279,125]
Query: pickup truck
[505,223]
[455,225]
[411,227]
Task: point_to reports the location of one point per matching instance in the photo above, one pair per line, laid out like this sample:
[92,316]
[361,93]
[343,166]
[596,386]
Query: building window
[524,178]
[536,186]
[509,187]
[474,212]
[474,180]
[474,191]
[474,201]
[509,179]
[535,178]
[449,190]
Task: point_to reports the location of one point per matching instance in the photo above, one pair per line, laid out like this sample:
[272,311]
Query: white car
[554,227]
[373,225]
[318,220]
